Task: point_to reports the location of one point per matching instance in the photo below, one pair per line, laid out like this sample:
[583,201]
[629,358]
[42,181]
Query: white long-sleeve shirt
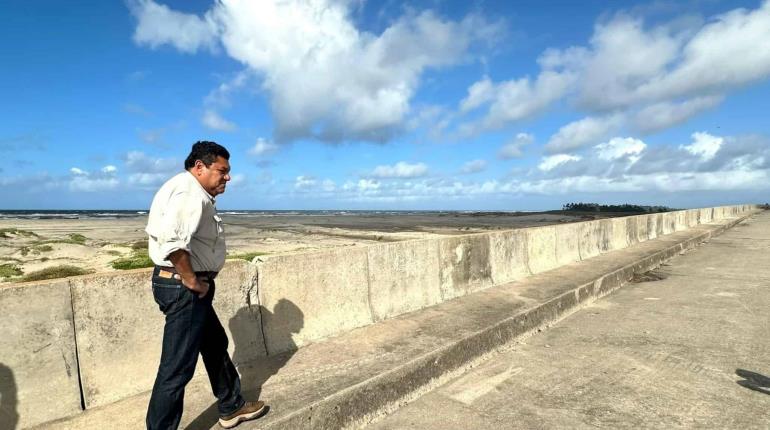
[183,216]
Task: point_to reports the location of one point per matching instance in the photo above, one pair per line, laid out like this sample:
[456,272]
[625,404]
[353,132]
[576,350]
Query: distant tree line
[595,207]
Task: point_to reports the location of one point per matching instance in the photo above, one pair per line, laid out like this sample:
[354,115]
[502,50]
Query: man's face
[214,177]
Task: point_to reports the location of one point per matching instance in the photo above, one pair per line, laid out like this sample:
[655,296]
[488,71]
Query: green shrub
[10,270]
[78,238]
[113,252]
[43,248]
[137,260]
[54,272]
[248,256]
[140,244]
[15,231]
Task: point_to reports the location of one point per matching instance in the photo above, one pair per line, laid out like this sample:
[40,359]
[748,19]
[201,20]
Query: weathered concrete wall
[38,365]
[310,296]
[464,265]
[119,329]
[508,254]
[291,299]
[403,277]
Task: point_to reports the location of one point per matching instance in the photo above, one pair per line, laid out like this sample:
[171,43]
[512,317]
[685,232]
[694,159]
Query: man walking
[187,245]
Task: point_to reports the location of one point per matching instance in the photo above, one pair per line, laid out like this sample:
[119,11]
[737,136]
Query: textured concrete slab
[465,265]
[677,349]
[508,255]
[120,328]
[38,367]
[541,249]
[403,277]
[307,297]
[567,243]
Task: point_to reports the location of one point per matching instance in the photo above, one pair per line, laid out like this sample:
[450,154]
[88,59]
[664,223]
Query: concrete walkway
[349,380]
[662,352]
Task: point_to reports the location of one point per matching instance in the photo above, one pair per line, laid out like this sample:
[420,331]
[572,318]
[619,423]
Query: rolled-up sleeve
[181,218]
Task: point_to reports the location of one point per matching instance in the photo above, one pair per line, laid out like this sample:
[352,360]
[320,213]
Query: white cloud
[660,116]
[158,25]
[553,161]
[400,170]
[139,162]
[704,145]
[620,147]
[328,185]
[513,100]
[214,121]
[513,149]
[360,84]
[304,182]
[263,147]
[655,76]
[83,181]
[585,132]
[474,166]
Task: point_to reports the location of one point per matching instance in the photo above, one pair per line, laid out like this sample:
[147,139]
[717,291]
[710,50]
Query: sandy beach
[93,245]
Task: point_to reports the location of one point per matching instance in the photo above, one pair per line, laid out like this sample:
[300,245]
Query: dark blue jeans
[192,327]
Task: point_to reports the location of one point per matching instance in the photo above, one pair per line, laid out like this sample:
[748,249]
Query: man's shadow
[753,381]
[9,416]
[285,320]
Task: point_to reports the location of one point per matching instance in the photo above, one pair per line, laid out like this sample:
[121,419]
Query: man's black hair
[205,151]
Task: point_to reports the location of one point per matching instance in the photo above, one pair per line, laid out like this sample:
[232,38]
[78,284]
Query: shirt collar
[203,190]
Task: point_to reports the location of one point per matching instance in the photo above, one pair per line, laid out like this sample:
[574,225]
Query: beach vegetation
[54,272]
[113,252]
[24,251]
[140,244]
[248,256]
[138,259]
[78,238]
[42,248]
[6,233]
[10,271]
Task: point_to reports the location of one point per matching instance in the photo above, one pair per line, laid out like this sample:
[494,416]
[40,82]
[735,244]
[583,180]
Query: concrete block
[403,277]
[668,220]
[618,233]
[508,254]
[38,367]
[696,217]
[706,215]
[642,225]
[590,239]
[120,329]
[681,220]
[541,249]
[307,297]
[567,243]
[465,265]
[652,225]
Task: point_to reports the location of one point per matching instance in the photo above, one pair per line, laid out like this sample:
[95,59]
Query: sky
[362,104]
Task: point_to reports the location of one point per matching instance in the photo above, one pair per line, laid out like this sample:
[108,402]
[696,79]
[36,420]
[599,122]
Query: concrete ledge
[38,366]
[345,381]
[119,329]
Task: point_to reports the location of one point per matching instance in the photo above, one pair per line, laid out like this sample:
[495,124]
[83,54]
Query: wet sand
[109,239]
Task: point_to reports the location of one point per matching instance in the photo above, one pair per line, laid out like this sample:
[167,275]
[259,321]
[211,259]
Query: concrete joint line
[255,285]
[77,354]
[372,314]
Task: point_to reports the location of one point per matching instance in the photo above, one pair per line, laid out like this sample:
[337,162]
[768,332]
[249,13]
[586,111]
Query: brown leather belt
[169,272]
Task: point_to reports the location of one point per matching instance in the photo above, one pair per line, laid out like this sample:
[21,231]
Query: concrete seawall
[98,337]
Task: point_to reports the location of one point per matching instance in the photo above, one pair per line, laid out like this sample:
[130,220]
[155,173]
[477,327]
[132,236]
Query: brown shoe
[249,411]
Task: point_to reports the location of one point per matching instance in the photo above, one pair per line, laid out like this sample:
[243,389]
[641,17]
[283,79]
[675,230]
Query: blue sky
[334,104]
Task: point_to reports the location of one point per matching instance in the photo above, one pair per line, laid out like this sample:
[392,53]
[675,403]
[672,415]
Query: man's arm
[181,261]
